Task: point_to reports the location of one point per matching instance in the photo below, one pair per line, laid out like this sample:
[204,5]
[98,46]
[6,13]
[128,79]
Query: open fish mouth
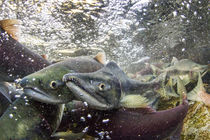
[93,100]
[41,96]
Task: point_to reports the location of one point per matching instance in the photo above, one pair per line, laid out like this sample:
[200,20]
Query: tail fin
[11,27]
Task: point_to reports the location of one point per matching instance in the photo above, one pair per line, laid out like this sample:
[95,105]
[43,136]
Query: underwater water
[130,32]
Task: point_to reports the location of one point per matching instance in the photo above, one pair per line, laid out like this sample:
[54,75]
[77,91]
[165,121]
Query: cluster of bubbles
[127,30]
[52,25]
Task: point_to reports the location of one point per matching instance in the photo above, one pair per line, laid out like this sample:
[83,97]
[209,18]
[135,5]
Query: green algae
[197,123]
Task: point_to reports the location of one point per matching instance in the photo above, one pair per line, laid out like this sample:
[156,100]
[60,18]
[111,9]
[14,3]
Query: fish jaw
[39,87]
[84,86]
[42,96]
[32,89]
[85,96]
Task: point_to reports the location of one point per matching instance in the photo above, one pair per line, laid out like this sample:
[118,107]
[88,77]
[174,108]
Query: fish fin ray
[134,101]
[59,115]
[4,92]
[101,57]
[11,27]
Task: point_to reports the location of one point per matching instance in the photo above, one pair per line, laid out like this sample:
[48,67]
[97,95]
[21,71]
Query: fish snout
[23,82]
[69,77]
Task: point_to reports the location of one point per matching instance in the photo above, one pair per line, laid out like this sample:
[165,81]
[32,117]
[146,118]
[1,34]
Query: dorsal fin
[11,27]
[174,60]
[101,57]
[44,56]
[112,65]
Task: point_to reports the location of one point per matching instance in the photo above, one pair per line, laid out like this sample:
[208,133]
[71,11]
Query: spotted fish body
[23,119]
[127,123]
[16,61]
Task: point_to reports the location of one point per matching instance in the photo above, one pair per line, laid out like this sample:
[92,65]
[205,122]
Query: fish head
[47,86]
[100,89]
[189,65]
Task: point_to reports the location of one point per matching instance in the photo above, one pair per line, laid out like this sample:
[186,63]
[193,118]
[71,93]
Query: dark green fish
[5,98]
[7,95]
[21,121]
[110,86]
[29,120]
[47,86]
[21,118]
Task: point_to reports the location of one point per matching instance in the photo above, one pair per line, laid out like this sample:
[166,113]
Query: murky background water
[128,31]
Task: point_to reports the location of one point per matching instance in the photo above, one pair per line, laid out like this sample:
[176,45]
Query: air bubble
[89,116]
[82,119]
[86,104]
[11,116]
[105,120]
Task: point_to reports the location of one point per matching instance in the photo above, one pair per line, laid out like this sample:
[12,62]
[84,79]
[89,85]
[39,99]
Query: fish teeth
[73,79]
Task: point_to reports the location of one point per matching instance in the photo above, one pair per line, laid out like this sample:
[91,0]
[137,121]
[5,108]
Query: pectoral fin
[134,101]
[5,91]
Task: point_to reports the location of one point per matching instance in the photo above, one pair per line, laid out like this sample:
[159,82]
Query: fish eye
[101,86]
[53,84]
